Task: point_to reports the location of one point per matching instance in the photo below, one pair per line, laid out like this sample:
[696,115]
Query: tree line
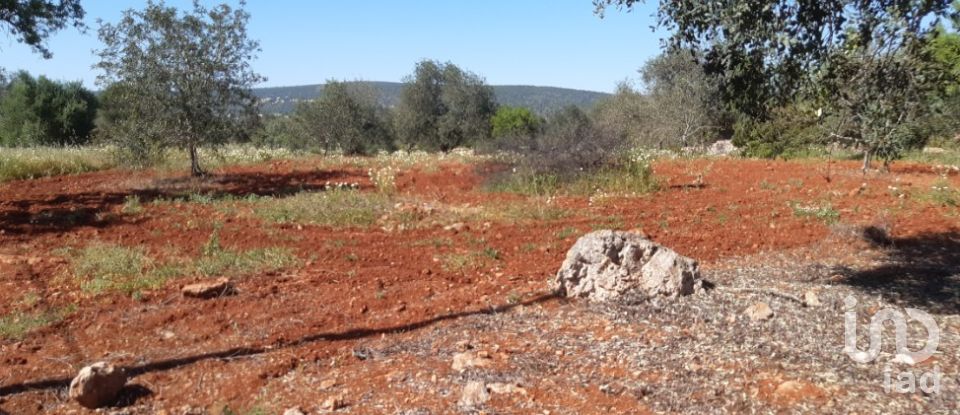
[775,76]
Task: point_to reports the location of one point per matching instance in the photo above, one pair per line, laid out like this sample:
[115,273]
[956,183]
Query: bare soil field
[371,316]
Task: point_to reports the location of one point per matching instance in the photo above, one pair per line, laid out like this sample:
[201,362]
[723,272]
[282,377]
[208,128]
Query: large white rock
[97,385]
[608,265]
[722,148]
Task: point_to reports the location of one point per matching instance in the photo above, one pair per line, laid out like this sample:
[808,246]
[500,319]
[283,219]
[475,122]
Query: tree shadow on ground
[921,271]
[56,213]
[244,351]
[131,394]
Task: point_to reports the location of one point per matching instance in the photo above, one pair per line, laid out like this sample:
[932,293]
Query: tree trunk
[867,155]
[195,169]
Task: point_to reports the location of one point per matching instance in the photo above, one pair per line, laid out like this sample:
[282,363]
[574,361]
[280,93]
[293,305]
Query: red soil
[366,283]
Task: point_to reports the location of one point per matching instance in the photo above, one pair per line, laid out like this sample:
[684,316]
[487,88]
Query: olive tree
[185,77]
[443,107]
[770,53]
[346,117]
[681,109]
[32,22]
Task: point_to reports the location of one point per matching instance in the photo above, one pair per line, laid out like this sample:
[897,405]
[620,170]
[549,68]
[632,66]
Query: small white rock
[759,312]
[810,299]
[474,394]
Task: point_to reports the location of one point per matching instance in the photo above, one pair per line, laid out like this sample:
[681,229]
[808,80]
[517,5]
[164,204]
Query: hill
[541,99]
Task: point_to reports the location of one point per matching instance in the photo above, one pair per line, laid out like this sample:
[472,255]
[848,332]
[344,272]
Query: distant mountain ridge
[540,99]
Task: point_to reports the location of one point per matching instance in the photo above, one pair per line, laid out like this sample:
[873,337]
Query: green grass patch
[16,325]
[216,260]
[334,208]
[942,194]
[103,268]
[35,162]
[631,178]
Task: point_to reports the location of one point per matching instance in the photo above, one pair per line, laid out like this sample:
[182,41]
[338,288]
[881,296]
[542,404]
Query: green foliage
[32,22]
[865,63]
[347,118]
[443,107]
[683,101]
[570,144]
[280,131]
[626,113]
[185,78]
[38,111]
[788,129]
[510,121]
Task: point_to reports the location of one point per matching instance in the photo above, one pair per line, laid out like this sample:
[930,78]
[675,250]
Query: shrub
[346,117]
[443,107]
[38,111]
[510,121]
[790,129]
[574,155]
[280,131]
[570,144]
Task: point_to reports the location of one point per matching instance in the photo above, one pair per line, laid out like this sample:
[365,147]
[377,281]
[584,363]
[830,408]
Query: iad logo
[906,382]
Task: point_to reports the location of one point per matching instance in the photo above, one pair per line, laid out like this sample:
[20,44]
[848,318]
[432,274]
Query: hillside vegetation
[541,99]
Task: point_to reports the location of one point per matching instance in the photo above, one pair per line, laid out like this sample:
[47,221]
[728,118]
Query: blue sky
[537,42]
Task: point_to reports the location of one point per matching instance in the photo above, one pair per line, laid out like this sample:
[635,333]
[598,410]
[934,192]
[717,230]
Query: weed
[216,260]
[942,194]
[34,162]
[334,208]
[628,178]
[384,179]
[131,205]
[824,212]
[103,268]
[458,262]
[566,232]
[491,253]
[16,325]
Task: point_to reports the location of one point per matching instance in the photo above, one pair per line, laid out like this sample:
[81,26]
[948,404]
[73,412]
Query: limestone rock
[474,394]
[759,312]
[97,385]
[810,299]
[466,360]
[209,289]
[722,148]
[608,265]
